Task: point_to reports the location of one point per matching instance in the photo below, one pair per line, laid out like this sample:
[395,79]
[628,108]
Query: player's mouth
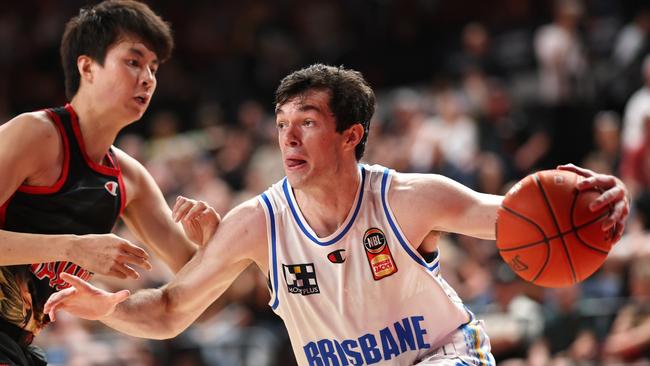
[142,100]
[293,164]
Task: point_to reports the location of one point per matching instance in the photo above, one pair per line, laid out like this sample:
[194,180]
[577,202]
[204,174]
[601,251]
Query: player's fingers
[75,281]
[610,196]
[614,216]
[576,169]
[57,298]
[134,250]
[182,210]
[179,201]
[126,270]
[597,182]
[618,233]
[128,258]
[120,296]
[195,211]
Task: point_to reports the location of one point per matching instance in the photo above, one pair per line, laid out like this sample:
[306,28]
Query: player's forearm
[146,314]
[483,216]
[22,248]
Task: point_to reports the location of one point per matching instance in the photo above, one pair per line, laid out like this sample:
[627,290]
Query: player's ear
[354,134]
[84,65]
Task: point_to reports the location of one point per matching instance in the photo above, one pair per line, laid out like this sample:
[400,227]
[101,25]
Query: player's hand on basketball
[199,220]
[109,255]
[614,194]
[83,300]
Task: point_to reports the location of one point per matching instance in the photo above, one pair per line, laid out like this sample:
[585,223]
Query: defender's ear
[84,65]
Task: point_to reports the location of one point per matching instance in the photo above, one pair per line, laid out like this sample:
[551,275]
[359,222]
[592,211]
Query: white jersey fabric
[361,295]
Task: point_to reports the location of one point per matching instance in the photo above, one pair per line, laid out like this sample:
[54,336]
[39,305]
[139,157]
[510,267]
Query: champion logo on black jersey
[301,278]
[111,187]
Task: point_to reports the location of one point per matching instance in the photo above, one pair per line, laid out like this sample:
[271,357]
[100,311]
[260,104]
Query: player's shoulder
[416,183]
[31,126]
[128,164]
[33,137]
[245,228]
[249,212]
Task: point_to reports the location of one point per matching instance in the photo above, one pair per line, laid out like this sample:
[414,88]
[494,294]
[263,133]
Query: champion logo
[111,187]
[337,256]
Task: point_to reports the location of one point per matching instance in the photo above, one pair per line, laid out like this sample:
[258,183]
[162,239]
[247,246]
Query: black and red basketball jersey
[86,199]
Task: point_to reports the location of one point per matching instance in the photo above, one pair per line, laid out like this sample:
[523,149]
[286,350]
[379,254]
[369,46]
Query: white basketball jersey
[362,295]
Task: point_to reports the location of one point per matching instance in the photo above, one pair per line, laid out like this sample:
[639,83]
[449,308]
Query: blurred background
[484,92]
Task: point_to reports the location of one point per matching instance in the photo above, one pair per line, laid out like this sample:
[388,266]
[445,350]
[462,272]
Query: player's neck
[98,128]
[327,205]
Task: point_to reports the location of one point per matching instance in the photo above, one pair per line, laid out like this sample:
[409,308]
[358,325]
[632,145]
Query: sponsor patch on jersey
[378,252]
[337,256]
[111,187]
[301,278]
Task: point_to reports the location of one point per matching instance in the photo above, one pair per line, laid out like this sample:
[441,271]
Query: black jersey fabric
[86,199]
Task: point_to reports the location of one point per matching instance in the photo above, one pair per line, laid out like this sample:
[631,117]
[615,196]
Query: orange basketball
[546,232]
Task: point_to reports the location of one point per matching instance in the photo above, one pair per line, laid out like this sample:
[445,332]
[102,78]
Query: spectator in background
[476,53]
[561,55]
[635,168]
[632,38]
[636,109]
[567,332]
[449,140]
[513,320]
[606,155]
[629,339]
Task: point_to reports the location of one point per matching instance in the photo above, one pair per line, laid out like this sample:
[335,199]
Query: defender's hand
[199,220]
[614,194]
[108,254]
[83,300]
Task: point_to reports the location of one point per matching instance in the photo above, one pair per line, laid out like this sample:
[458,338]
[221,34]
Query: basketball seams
[539,228]
[575,230]
[539,184]
[545,240]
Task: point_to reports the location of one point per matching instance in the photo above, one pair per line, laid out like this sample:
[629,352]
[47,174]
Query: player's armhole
[271,237]
[44,140]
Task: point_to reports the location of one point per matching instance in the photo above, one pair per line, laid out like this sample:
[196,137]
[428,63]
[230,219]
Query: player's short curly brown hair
[351,97]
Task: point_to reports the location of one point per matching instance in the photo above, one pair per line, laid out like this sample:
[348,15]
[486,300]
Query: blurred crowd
[482,92]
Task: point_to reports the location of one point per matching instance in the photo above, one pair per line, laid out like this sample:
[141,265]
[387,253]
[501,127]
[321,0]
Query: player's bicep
[442,204]
[148,216]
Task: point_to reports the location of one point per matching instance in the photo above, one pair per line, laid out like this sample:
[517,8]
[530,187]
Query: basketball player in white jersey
[340,242]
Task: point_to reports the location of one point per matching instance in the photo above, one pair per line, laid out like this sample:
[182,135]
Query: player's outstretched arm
[426,202]
[165,312]
[172,236]
[614,194]
[30,146]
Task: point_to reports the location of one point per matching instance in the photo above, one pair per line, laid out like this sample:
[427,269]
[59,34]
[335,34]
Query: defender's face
[311,147]
[127,78]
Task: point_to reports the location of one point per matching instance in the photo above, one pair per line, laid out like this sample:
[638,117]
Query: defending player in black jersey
[64,185]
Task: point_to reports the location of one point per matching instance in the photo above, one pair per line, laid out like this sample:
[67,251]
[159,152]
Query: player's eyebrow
[139,53]
[302,108]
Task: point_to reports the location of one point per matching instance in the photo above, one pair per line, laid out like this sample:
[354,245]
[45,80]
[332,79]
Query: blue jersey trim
[401,240]
[274,257]
[303,228]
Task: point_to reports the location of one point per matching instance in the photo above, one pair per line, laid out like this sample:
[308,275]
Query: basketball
[547,234]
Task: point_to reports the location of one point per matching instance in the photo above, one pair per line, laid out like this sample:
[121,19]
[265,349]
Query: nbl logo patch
[301,278]
[379,256]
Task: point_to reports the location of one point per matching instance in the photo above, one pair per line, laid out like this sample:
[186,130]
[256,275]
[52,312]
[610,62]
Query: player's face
[127,79]
[311,147]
